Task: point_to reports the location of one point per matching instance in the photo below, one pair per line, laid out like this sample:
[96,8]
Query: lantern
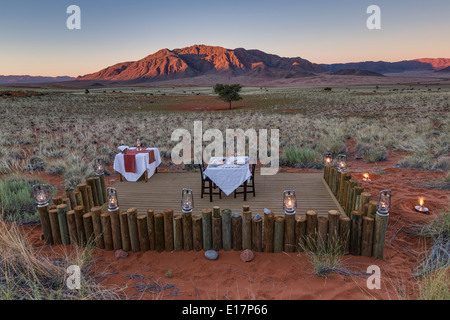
[341,162]
[289,201]
[41,194]
[328,158]
[138,144]
[384,203]
[187,200]
[113,202]
[99,167]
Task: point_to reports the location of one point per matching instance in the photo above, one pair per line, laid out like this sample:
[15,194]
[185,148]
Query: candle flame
[366,175]
[421,201]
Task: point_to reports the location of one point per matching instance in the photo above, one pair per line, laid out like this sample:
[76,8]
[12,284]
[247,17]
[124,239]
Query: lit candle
[366,177]
[420,207]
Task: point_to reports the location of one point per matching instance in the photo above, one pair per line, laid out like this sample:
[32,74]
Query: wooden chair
[210,187]
[248,187]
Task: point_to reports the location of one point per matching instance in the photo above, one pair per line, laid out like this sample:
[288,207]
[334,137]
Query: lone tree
[228,93]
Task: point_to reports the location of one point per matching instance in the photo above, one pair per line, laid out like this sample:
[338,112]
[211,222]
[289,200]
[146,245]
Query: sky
[35,40]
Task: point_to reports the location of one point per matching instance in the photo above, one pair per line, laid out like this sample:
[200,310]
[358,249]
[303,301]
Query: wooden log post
[66,201]
[186,218]
[73,201]
[356,197]
[344,180]
[115,229]
[90,197]
[322,233]
[124,231]
[159,232]
[132,229]
[151,228]
[54,224]
[226,230]
[207,229]
[168,229]
[344,233]
[367,236]
[91,183]
[197,233]
[335,185]
[333,228]
[311,230]
[177,233]
[45,223]
[79,211]
[379,235]
[364,199]
[82,188]
[57,200]
[257,233]
[216,233]
[344,194]
[97,225]
[289,232]
[236,226]
[372,208]
[88,228]
[356,233]
[247,229]
[300,233]
[62,222]
[103,187]
[72,227]
[78,199]
[144,241]
[98,189]
[269,225]
[106,230]
[348,201]
[278,237]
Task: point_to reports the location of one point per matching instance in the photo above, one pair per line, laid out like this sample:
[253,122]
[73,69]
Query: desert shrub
[34,163]
[16,198]
[371,153]
[442,163]
[417,160]
[304,157]
[56,167]
[77,171]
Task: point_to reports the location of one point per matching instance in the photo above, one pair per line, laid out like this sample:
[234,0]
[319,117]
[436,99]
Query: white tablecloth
[228,177]
[142,165]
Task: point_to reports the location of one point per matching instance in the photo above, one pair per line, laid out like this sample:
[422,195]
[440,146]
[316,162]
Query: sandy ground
[282,275]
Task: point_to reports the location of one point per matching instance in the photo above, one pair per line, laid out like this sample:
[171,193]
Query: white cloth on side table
[142,165]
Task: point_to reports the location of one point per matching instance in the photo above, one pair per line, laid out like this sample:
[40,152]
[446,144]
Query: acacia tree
[228,93]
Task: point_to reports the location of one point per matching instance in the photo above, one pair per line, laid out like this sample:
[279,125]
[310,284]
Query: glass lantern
[384,202]
[99,166]
[42,194]
[113,201]
[138,144]
[289,201]
[187,200]
[328,158]
[341,162]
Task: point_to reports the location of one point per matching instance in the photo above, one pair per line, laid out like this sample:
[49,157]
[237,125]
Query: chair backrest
[201,166]
[253,169]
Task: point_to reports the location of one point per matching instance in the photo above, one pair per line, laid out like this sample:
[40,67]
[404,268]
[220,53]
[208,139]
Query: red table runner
[129,158]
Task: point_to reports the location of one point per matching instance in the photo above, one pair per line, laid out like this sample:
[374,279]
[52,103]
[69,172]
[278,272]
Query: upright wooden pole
[72,226]
[57,200]
[78,199]
[367,236]
[197,232]
[54,224]
[88,228]
[62,222]
[216,233]
[45,223]
[247,229]
[322,233]
[278,237]
[372,208]
[356,233]
[132,228]
[124,231]
[144,242]
[348,201]
[311,230]
[91,183]
[344,233]
[344,179]
[159,232]
[168,229]
[79,211]
[356,197]
[269,225]
[379,236]
[289,232]
[151,228]
[187,231]
[333,227]
[236,226]
[300,233]
[97,225]
[82,188]
[73,201]
[177,233]
[207,229]
[103,187]
[226,229]
[257,233]
[99,191]
[115,229]
[106,230]
[90,197]
[365,199]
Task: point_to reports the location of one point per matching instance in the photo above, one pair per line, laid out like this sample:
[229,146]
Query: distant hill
[31,79]
[384,67]
[356,72]
[445,70]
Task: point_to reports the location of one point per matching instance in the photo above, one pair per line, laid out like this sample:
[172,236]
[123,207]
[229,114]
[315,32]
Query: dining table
[131,163]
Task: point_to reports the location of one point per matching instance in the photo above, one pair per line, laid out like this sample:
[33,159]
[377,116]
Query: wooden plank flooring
[163,190]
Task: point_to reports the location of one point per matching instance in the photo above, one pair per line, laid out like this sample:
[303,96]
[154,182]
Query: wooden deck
[163,190]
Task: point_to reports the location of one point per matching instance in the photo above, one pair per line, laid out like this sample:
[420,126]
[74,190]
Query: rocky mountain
[383,67]
[202,60]
[445,70]
[31,79]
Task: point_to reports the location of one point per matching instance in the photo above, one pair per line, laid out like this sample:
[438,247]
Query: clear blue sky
[35,40]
